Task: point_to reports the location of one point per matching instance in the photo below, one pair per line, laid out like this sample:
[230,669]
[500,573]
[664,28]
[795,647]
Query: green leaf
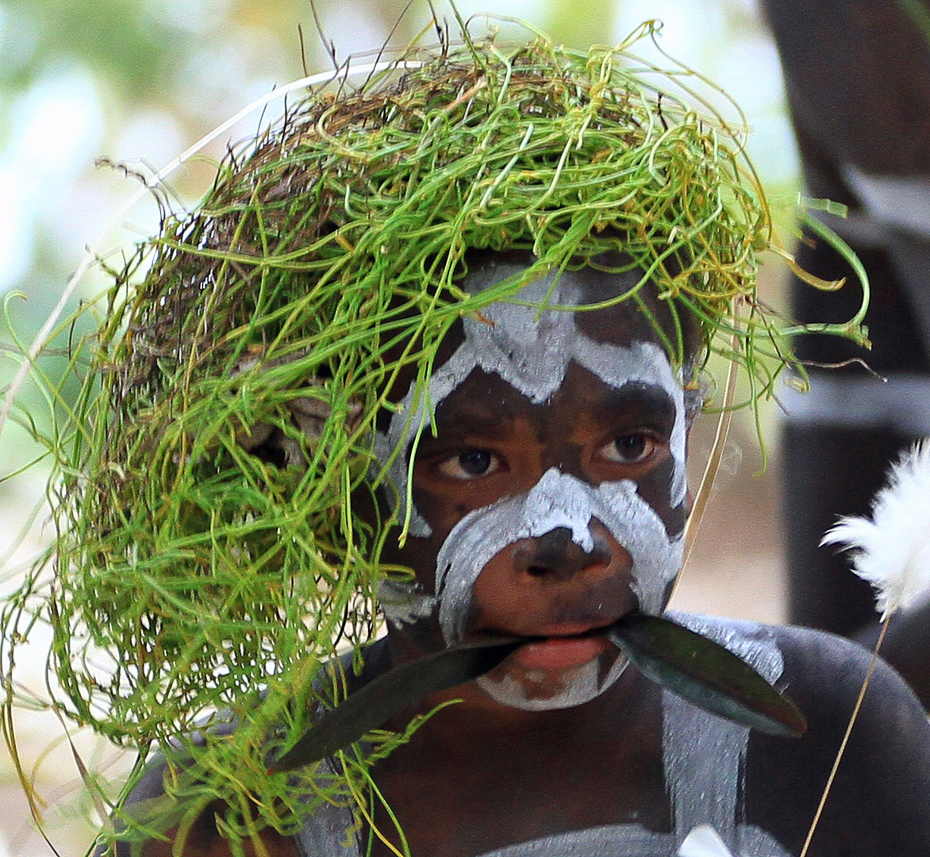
[373,704]
[705,673]
[696,668]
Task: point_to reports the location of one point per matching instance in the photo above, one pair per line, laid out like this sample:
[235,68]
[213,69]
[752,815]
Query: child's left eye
[629,448]
[470,464]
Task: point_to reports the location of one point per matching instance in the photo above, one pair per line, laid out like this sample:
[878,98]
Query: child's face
[552,498]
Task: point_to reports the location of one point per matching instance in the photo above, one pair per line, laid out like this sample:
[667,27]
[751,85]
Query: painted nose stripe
[557,500]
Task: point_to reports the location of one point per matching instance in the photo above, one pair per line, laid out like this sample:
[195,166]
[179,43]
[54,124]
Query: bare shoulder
[168,823]
[825,673]
[877,805]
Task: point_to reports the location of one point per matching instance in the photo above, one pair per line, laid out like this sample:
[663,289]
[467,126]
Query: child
[535,250]
[549,502]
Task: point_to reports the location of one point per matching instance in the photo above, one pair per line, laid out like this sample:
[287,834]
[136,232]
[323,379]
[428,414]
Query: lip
[559,653]
[559,648]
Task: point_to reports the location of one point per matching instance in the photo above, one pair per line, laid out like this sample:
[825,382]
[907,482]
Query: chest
[468,803]
[634,789]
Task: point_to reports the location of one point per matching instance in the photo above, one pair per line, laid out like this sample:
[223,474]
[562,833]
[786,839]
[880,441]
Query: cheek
[656,489]
[417,554]
[442,514]
[645,533]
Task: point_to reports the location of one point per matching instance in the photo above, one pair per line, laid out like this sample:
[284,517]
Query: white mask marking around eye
[531,350]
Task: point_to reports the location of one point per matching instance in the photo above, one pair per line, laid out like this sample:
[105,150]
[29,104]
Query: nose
[554,555]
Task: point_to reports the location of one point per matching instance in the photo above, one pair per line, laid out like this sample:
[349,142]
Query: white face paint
[531,349]
[582,684]
[557,500]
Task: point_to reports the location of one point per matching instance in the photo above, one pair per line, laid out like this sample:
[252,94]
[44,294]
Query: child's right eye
[470,464]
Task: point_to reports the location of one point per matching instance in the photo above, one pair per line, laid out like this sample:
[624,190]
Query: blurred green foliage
[116,38]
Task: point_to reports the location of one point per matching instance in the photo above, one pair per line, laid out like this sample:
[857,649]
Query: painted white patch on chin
[580,685]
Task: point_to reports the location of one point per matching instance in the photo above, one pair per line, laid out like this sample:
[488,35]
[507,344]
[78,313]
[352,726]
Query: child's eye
[629,448]
[470,464]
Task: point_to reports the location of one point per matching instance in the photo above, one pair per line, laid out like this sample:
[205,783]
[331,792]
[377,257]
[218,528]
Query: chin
[538,690]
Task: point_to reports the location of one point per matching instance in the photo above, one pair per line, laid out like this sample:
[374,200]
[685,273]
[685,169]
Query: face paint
[531,350]
[405,602]
[536,693]
[557,500]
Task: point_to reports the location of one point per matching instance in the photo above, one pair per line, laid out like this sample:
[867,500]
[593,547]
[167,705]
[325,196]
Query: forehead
[563,303]
[530,340]
[540,358]
[485,407]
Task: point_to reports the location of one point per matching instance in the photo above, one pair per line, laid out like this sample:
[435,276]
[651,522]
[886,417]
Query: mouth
[560,648]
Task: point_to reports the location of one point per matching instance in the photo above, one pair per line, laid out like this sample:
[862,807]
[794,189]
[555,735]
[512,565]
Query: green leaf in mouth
[696,668]
[705,673]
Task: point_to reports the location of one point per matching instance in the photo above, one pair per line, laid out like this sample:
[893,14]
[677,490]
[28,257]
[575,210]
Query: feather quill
[891,550]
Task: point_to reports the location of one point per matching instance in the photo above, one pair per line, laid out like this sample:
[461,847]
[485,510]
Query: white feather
[892,549]
[703,841]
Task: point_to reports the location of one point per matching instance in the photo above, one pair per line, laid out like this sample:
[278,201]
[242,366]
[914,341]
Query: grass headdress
[208,554]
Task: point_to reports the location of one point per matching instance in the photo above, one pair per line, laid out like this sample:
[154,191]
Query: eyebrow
[465,420]
[638,399]
[635,402]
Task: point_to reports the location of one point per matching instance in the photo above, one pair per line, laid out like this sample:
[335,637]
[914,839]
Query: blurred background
[94,93]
